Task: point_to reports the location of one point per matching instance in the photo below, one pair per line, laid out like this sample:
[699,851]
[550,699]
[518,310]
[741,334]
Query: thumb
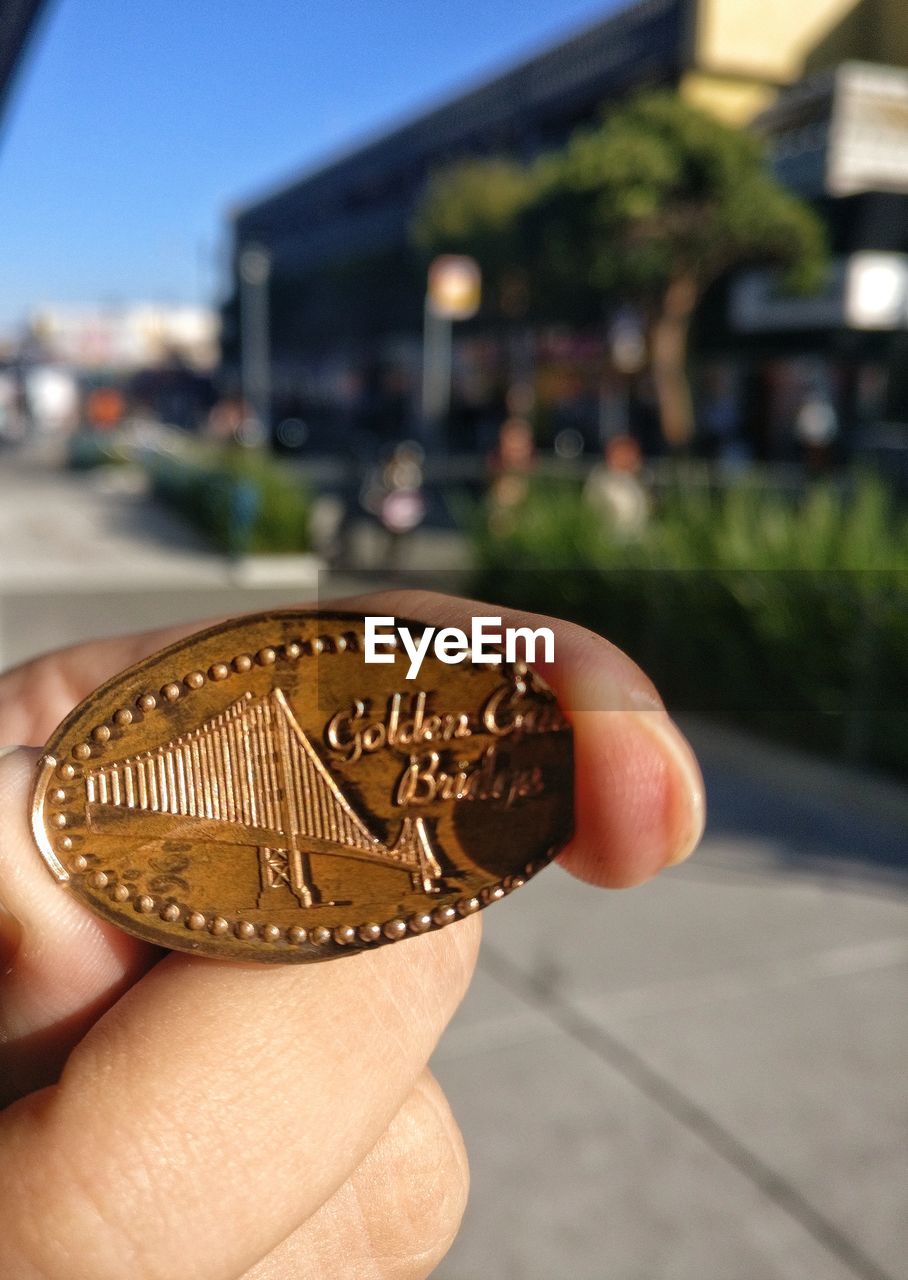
[60,966]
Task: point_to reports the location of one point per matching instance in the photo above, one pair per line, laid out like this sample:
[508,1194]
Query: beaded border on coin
[336,940]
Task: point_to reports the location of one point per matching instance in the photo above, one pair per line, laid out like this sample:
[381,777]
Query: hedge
[786,615]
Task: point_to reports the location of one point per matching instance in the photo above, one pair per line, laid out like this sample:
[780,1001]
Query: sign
[863,291]
[758,303]
[876,291]
[868,136]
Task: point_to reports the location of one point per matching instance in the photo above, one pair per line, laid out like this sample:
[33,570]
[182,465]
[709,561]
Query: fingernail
[689,819]
[639,699]
[587,690]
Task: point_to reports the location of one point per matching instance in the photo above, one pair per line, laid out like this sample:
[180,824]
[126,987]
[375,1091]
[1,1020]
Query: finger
[62,966]
[36,695]
[638,790]
[397,1214]
[639,801]
[216,1106]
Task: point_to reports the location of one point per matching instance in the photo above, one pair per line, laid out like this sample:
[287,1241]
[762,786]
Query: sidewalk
[83,555]
[704,1078]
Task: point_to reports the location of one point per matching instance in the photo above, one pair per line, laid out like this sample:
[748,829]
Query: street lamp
[254,264]
[453,292]
[626,344]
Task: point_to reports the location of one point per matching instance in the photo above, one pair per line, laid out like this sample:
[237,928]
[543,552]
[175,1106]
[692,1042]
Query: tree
[481,207]
[473,203]
[650,206]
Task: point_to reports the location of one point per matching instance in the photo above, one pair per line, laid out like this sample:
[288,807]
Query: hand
[191,1117]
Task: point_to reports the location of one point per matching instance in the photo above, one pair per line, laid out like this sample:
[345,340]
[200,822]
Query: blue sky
[135,127]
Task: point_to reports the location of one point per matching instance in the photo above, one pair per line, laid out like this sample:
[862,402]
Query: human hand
[188,1116]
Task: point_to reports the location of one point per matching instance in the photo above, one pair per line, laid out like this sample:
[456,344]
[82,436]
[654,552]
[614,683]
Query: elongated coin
[259,791]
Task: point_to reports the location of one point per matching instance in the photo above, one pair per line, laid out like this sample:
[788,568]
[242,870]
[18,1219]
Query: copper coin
[259,791]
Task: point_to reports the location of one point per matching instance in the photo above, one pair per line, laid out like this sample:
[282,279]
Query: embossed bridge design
[251,776]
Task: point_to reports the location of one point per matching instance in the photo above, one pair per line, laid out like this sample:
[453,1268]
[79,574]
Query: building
[840,139]
[150,358]
[124,339]
[345,291]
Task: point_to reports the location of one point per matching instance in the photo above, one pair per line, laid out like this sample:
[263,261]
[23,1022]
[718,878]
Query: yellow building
[742,52]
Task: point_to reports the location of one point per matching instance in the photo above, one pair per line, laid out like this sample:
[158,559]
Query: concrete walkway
[704,1078]
[89,554]
[701,1079]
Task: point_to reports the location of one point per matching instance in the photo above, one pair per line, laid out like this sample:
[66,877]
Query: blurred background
[603,315]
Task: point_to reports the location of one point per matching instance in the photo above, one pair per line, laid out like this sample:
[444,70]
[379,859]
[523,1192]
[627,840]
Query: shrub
[241,501]
[787,615]
[86,450]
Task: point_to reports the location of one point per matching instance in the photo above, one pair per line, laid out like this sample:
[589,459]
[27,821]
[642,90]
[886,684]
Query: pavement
[90,554]
[703,1078]
[699,1079]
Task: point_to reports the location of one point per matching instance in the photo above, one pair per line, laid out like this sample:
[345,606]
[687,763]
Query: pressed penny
[259,791]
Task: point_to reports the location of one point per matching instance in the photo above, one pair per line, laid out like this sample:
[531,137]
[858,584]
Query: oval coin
[259,792]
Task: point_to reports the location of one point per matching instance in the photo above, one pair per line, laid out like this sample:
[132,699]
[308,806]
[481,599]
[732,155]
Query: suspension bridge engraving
[250,775]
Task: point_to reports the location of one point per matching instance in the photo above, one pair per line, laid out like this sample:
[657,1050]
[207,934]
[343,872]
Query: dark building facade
[840,139]
[359,206]
[346,288]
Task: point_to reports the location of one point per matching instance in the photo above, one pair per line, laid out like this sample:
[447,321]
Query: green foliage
[787,615]
[470,203]
[242,501]
[656,191]
[662,189]
[89,449]
[745,525]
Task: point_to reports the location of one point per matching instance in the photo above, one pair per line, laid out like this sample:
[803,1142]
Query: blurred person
[51,396]
[394,495]
[719,419]
[614,491]
[245,506]
[326,525]
[12,419]
[225,418]
[816,428]
[280,1120]
[516,449]
[514,458]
